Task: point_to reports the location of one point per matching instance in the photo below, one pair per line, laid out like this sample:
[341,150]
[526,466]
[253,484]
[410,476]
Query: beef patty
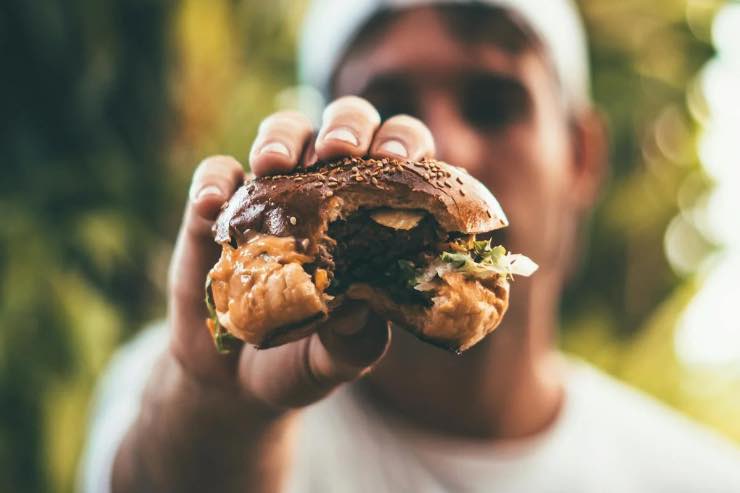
[365,251]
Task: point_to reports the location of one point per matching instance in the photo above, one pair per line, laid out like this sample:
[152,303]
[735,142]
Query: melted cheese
[261,285]
[252,261]
[404,219]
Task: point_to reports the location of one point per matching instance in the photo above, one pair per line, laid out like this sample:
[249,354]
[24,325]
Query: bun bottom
[463,310]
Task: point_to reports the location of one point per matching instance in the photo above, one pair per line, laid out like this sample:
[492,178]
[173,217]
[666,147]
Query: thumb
[214,181]
[352,341]
[345,348]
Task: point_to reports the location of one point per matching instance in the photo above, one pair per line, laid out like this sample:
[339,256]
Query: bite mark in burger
[400,235]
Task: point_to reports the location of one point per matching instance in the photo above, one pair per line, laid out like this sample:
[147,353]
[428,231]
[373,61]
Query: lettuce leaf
[223,341]
[480,261]
[408,272]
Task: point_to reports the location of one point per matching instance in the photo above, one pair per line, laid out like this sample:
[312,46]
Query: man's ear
[589,141]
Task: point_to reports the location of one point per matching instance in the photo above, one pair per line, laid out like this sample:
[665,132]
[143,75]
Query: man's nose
[456,140]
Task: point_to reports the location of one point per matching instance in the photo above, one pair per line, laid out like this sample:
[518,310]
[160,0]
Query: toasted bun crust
[302,203]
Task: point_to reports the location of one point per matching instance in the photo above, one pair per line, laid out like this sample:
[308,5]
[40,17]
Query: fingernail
[350,319]
[343,134]
[396,147]
[212,190]
[275,148]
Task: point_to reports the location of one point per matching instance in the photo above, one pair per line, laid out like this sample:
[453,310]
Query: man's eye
[391,102]
[491,105]
[393,108]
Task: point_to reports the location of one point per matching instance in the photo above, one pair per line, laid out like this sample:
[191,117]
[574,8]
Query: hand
[353,339]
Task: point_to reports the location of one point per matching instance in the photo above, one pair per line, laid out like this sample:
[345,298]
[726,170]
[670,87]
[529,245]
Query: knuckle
[216,165]
[218,162]
[353,105]
[223,172]
[407,124]
[412,131]
[293,120]
[405,120]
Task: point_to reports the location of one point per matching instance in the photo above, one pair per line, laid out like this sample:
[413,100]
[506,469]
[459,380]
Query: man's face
[496,113]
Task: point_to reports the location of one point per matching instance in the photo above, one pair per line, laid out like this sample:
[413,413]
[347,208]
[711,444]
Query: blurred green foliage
[85,203]
[622,310]
[107,107]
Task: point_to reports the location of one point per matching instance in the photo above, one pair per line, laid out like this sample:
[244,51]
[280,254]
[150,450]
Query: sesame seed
[329,193]
[359,178]
[293,220]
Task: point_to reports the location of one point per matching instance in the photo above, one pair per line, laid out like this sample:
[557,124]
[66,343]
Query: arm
[211,422]
[189,437]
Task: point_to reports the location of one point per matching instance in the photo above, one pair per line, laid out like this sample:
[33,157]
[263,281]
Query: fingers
[214,181]
[352,342]
[350,127]
[300,373]
[280,143]
[403,137]
[347,128]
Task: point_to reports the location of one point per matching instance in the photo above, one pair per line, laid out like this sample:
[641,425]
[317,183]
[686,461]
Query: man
[500,88]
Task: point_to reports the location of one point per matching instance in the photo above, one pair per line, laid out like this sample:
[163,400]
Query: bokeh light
[709,331]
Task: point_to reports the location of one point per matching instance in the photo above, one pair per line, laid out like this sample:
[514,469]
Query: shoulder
[649,441]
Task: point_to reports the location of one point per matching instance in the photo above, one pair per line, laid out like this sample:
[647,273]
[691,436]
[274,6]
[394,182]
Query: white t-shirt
[607,438]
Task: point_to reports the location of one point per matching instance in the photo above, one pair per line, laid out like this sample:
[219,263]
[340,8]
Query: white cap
[331,25]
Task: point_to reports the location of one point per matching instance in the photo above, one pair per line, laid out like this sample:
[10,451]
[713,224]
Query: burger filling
[367,251]
[402,252]
[475,259]
[406,254]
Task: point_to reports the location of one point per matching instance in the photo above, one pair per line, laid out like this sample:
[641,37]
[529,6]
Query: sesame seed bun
[300,205]
[275,230]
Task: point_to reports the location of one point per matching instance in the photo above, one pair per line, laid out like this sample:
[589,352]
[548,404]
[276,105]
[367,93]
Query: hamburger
[406,237]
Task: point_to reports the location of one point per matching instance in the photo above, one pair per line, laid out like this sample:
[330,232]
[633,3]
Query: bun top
[301,204]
